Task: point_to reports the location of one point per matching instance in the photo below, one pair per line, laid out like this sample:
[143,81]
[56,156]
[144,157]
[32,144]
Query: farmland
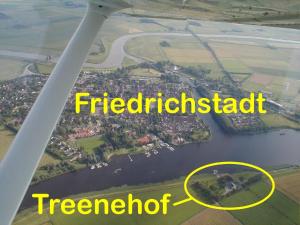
[278,210]
[176,215]
[290,185]
[264,67]
[258,12]
[147,48]
[188,56]
[181,50]
[45,27]
[212,217]
[10,68]
[256,66]
[279,121]
[6,138]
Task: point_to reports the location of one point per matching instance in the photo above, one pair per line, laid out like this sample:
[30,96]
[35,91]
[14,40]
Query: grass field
[146,47]
[33,219]
[240,77]
[44,68]
[262,79]
[6,138]
[89,144]
[176,215]
[140,72]
[45,27]
[200,135]
[185,51]
[260,11]
[279,121]
[48,159]
[234,65]
[271,62]
[11,68]
[188,56]
[290,185]
[128,62]
[42,26]
[215,71]
[278,210]
[212,217]
[182,50]
[282,85]
[283,89]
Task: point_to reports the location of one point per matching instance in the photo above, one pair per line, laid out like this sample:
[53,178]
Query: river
[262,149]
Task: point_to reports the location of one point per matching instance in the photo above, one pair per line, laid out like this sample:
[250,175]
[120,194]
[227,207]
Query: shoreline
[110,157]
[169,165]
[177,147]
[152,185]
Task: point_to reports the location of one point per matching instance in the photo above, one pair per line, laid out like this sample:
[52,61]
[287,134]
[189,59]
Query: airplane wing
[19,164]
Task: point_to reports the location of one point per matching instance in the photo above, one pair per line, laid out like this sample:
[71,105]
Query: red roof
[144,140]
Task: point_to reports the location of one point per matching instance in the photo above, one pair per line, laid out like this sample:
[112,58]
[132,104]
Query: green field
[234,65]
[140,72]
[200,135]
[6,138]
[45,27]
[10,68]
[257,68]
[176,215]
[89,144]
[48,159]
[128,62]
[44,68]
[184,51]
[279,210]
[259,12]
[146,47]
[279,121]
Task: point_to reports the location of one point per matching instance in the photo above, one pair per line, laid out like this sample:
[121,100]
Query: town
[91,139]
[135,105]
[109,134]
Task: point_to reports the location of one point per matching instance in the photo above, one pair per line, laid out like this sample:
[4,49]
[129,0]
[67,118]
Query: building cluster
[118,131]
[236,122]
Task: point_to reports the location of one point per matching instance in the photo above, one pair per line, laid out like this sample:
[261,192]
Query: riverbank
[266,149]
[242,124]
[260,149]
[272,122]
[48,172]
[186,211]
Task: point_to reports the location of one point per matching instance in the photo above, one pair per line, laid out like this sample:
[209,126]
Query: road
[118,53]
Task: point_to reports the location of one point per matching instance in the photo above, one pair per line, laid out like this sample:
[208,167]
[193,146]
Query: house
[230,187]
[144,140]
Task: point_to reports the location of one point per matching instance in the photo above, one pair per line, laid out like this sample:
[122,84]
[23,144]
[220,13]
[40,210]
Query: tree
[164,44]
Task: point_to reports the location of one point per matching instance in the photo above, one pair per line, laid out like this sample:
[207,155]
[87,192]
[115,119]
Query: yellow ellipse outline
[230,163]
